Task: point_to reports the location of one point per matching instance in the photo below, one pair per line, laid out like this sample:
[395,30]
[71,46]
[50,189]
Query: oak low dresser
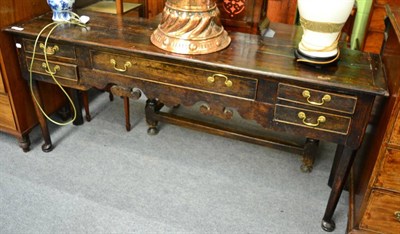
[255,77]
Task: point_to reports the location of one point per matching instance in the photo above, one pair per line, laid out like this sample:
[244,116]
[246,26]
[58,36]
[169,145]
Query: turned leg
[310,149]
[151,109]
[85,102]
[24,142]
[76,100]
[340,176]
[110,96]
[127,114]
[47,146]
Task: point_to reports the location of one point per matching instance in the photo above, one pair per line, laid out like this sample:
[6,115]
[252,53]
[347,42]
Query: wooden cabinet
[380,215]
[376,27]
[375,194]
[6,114]
[17,114]
[155,7]
[282,11]
[244,16]
[149,8]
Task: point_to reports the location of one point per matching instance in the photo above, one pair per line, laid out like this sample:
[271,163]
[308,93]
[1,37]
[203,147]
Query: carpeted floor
[102,179]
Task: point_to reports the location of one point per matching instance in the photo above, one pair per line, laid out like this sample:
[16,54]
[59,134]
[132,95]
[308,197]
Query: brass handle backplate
[228,113]
[228,82]
[47,70]
[126,65]
[50,50]
[325,98]
[397,215]
[204,107]
[303,117]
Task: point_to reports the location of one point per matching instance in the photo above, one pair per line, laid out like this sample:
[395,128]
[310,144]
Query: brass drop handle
[47,70]
[228,82]
[325,98]
[302,116]
[50,50]
[397,215]
[126,65]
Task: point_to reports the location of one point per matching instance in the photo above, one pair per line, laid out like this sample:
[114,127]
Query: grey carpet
[102,179]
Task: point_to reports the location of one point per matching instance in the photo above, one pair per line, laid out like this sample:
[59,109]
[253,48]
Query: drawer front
[63,71]
[389,174]
[188,77]
[312,119]
[380,213]
[311,97]
[53,49]
[6,114]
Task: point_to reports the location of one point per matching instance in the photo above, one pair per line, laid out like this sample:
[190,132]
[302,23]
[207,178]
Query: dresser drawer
[188,77]
[380,213]
[53,49]
[312,119]
[389,173]
[311,97]
[62,71]
[6,114]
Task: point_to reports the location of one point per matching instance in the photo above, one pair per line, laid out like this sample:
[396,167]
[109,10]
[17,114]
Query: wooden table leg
[339,151]
[310,149]
[47,146]
[25,142]
[127,114]
[151,109]
[342,171]
[76,99]
[85,101]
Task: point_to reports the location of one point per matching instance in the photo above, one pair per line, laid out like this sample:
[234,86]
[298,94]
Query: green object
[360,24]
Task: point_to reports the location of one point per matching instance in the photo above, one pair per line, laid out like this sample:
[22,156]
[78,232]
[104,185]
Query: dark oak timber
[266,85]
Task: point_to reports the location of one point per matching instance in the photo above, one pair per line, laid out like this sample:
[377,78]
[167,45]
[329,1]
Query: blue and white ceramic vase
[61,9]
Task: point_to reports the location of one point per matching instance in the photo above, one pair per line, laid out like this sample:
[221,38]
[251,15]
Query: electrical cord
[76,20]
